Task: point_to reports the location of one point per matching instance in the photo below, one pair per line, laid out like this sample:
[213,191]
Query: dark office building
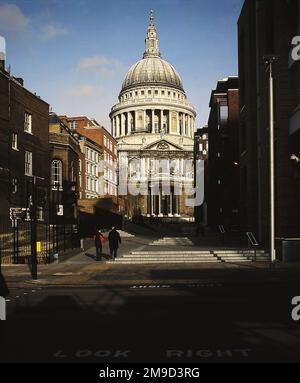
[222,171]
[268,27]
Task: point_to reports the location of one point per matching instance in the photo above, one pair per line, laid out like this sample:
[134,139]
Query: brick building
[24,146]
[91,129]
[222,171]
[267,27]
[65,152]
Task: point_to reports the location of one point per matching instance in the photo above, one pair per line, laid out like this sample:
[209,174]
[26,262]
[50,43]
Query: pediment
[163,145]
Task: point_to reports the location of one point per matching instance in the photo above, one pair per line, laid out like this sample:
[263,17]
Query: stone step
[192,252]
[157,261]
[161,256]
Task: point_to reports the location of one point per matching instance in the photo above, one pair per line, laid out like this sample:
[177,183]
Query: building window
[28,163]
[14,141]
[223,114]
[162,92]
[56,174]
[73,125]
[14,185]
[156,92]
[28,123]
[149,92]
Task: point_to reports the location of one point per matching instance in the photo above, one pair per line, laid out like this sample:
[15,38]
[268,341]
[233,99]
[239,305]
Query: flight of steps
[236,256]
[125,234]
[190,256]
[158,257]
[173,241]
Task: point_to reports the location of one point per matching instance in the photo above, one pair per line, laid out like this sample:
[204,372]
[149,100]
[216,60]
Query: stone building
[89,169]
[92,130]
[268,27]
[152,122]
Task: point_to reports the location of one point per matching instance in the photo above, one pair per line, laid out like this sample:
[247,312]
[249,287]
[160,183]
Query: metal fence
[16,240]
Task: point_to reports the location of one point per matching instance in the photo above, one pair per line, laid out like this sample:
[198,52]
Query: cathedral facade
[154,126]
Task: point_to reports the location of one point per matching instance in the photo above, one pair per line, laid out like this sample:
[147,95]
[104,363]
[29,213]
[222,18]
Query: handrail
[252,241]
[221,229]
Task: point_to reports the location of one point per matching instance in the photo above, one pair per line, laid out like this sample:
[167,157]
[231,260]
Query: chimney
[2,53]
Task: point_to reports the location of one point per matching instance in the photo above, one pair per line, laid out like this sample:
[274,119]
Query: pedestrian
[99,239]
[114,241]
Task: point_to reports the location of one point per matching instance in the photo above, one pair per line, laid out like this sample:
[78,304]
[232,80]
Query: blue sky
[75,53]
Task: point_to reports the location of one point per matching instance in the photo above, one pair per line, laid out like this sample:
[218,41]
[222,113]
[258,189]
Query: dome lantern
[151,41]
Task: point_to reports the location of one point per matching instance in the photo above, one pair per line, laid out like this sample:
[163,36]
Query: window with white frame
[56,174]
[28,122]
[14,185]
[28,163]
[14,141]
[73,125]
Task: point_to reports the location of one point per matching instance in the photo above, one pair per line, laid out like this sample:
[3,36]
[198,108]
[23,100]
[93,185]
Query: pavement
[82,310]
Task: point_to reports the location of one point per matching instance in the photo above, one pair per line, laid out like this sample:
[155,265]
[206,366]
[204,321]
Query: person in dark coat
[99,239]
[114,240]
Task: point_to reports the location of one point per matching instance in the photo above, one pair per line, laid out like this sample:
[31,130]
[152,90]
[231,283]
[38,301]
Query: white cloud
[51,31]
[105,66]
[12,19]
[81,91]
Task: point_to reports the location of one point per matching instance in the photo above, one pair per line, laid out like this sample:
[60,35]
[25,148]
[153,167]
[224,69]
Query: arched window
[56,174]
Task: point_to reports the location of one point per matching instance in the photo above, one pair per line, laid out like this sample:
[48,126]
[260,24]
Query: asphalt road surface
[211,321]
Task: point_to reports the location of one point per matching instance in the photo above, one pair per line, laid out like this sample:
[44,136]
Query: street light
[269,61]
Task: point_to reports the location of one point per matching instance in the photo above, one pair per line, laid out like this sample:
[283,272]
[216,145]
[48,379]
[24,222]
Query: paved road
[81,310]
[205,322]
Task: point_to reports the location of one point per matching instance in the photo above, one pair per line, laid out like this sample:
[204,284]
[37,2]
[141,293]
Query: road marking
[189,286]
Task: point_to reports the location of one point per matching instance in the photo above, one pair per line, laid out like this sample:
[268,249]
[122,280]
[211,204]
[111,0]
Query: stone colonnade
[153,121]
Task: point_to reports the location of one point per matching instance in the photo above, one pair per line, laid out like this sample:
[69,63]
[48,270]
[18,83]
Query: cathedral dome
[152,70]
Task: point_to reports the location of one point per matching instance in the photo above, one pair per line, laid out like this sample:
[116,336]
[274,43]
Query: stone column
[114,127]
[178,127]
[159,204]
[170,122]
[127,124]
[171,203]
[122,124]
[161,120]
[145,128]
[135,120]
[152,120]
[188,126]
[183,124]
[117,126]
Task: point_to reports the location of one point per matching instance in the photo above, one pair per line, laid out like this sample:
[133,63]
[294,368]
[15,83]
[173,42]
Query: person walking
[114,240]
[99,239]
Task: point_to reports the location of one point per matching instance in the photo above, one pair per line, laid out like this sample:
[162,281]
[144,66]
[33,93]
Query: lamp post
[269,61]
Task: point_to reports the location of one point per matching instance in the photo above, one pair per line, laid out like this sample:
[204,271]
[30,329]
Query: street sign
[17,213]
[60,210]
